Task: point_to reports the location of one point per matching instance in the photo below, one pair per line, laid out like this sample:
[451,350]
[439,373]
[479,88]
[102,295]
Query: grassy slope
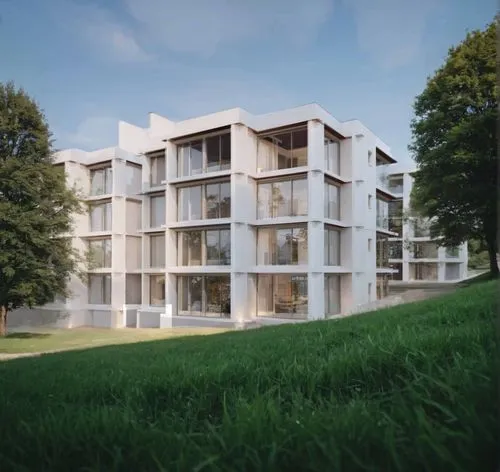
[47,340]
[409,389]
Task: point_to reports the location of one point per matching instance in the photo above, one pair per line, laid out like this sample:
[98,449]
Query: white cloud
[391,31]
[94,132]
[200,26]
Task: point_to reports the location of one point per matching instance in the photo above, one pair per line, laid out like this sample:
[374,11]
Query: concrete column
[171,160]
[315,145]
[316,295]
[171,293]
[239,297]
[146,173]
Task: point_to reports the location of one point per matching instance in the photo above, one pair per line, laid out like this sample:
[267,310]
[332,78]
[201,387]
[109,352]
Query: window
[282,198]
[133,253]
[332,201]
[157,290]
[133,289]
[158,169]
[396,250]
[157,250]
[382,214]
[425,250]
[332,155]
[370,158]
[396,184]
[204,201]
[421,228]
[101,181]
[218,247]
[382,286]
[210,247]
[452,271]
[284,150]
[133,177]
[399,274]
[99,289]
[396,216]
[332,295]
[209,154]
[370,244]
[100,217]
[423,271]
[332,247]
[382,257]
[100,253]
[190,206]
[282,246]
[218,200]
[204,295]
[452,252]
[370,197]
[282,296]
[157,211]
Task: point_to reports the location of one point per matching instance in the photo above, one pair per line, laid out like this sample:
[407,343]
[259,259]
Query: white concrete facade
[413,254]
[235,218]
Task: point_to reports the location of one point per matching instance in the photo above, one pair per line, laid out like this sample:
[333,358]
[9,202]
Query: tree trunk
[492,254]
[3,321]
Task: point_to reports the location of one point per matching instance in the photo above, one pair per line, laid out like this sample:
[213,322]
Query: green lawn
[410,388]
[57,339]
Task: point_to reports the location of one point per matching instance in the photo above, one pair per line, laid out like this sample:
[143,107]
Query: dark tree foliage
[455,145]
[36,208]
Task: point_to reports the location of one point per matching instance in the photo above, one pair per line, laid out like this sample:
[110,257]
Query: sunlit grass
[410,388]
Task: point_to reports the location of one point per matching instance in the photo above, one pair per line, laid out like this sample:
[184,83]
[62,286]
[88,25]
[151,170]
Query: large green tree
[36,208]
[455,145]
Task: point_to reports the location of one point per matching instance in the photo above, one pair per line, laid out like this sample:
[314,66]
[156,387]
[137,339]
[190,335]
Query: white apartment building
[230,218]
[413,253]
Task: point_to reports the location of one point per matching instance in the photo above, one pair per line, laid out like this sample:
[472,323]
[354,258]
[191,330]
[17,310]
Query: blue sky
[91,63]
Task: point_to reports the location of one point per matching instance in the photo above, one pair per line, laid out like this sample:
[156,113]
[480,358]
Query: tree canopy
[36,208]
[455,145]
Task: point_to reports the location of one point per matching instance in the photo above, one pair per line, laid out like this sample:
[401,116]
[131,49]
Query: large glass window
[423,271]
[332,201]
[382,286]
[218,247]
[209,154]
[99,289]
[100,253]
[204,295]
[332,294]
[133,289]
[382,214]
[282,198]
[332,155]
[100,217]
[282,246]
[396,250]
[207,247]
[421,227]
[332,247]
[101,181]
[425,250]
[157,214]
[158,169]
[157,290]
[399,274]
[133,178]
[396,216]
[382,251]
[452,271]
[157,250]
[452,252]
[204,201]
[396,184]
[284,150]
[282,296]
[218,200]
